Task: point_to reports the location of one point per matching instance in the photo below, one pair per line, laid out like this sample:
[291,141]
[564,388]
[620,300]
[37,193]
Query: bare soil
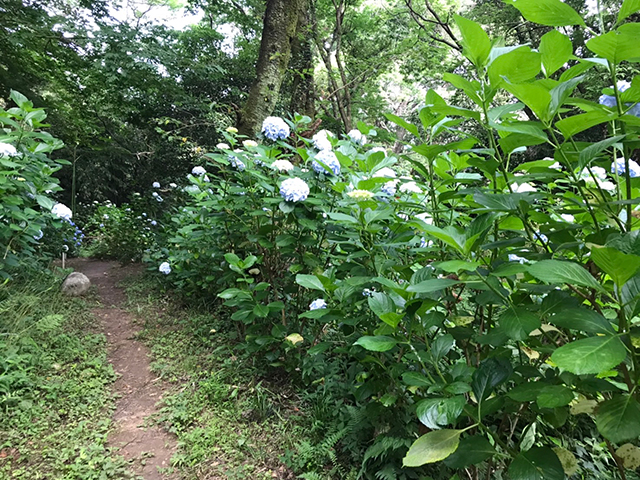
[148,447]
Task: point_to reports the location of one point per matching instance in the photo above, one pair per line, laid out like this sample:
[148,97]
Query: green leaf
[309,281]
[582,319]
[556,49]
[411,128]
[595,149]
[553,13]
[618,45]
[518,66]
[454,266]
[441,346]
[472,450]
[629,7]
[416,379]
[518,323]
[619,266]
[525,392]
[554,396]
[433,285]
[538,463]
[341,217]
[489,374]
[432,447]
[618,419]
[569,126]
[590,355]
[475,41]
[631,296]
[18,98]
[557,272]
[378,343]
[434,413]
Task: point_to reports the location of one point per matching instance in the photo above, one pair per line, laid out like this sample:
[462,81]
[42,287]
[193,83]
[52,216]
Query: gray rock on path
[76,284]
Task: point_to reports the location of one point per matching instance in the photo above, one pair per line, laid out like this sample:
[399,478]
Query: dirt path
[139,391]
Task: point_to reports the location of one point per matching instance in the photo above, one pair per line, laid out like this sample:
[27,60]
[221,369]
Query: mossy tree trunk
[303,91]
[279,30]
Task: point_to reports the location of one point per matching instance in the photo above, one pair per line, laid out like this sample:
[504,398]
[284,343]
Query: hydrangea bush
[473,319]
[27,223]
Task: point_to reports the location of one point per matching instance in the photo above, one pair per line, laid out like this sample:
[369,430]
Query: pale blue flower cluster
[515,258]
[38,236]
[198,171]
[165,268]
[541,236]
[317,304]
[328,158]
[610,100]
[275,128]
[236,163]
[357,137]
[156,185]
[294,190]
[157,197]
[618,165]
[389,188]
[62,211]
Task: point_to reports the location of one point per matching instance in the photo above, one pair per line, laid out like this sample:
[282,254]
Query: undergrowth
[55,404]
[231,419]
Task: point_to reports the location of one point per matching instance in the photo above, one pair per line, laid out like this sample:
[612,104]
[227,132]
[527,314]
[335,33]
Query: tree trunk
[303,91]
[280,22]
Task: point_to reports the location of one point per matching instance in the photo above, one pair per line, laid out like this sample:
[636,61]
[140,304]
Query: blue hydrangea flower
[275,128]
[317,304]
[294,190]
[328,158]
[515,258]
[610,100]
[62,211]
[8,150]
[541,236]
[618,165]
[154,223]
[157,197]
[38,235]
[156,185]
[389,188]
[236,163]
[165,268]
[198,171]
[357,137]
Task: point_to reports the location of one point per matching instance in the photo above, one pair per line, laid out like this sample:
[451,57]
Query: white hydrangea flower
[7,150]
[329,159]
[600,175]
[425,217]
[62,211]
[156,185]
[282,165]
[198,171]
[357,137]
[385,172]
[294,190]
[232,130]
[567,217]
[321,140]
[222,146]
[317,304]
[515,258]
[165,268]
[360,195]
[410,187]
[38,235]
[522,188]
[275,128]
[389,188]
[250,143]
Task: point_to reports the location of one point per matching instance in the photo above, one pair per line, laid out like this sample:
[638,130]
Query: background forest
[397,239]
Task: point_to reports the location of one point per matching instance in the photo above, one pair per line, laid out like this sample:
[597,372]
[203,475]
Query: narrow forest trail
[138,391]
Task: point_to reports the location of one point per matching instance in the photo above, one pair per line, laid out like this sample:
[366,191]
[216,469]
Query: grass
[55,400]
[229,421]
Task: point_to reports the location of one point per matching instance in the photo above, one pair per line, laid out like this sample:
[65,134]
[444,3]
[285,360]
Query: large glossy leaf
[475,41]
[554,396]
[534,95]
[309,281]
[556,49]
[433,285]
[631,296]
[590,355]
[471,451]
[538,463]
[518,323]
[618,45]
[595,149]
[547,12]
[582,319]
[435,413]
[559,272]
[411,128]
[618,419]
[569,126]
[629,7]
[619,266]
[379,343]
[432,447]
[516,66]
[489,374]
